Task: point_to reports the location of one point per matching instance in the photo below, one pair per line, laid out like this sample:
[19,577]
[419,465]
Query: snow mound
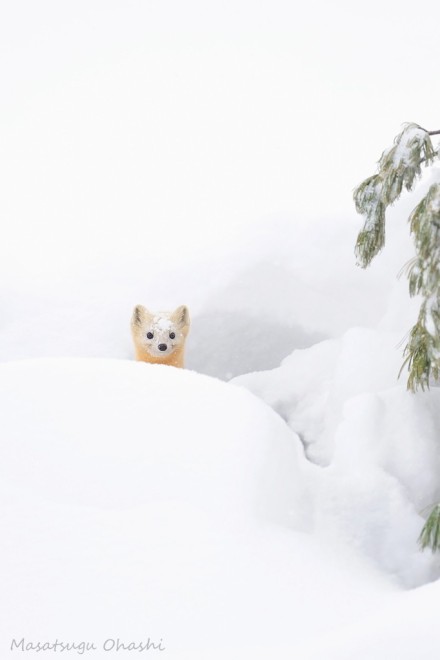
[376,443]
[142,501]
[154,434]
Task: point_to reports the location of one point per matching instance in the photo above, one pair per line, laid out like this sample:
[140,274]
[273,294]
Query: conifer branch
[399,168]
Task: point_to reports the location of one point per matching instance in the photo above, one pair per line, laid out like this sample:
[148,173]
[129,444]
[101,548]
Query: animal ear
[181,316]
[140,314]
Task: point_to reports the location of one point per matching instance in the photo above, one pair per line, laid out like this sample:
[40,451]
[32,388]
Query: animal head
[160,334]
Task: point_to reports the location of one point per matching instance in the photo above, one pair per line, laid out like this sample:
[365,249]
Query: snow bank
[377,446]
[406,628]
[147,422]
[143,501]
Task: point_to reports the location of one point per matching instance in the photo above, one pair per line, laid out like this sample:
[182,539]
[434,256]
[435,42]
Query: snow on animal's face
[162,333]
[161,336]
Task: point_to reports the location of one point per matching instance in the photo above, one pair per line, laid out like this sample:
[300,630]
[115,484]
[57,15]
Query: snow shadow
[227,344]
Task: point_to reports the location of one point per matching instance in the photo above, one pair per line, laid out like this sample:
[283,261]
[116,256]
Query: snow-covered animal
[159,338]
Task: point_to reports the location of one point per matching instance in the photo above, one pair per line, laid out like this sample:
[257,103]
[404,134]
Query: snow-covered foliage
[423,349]
[399,167]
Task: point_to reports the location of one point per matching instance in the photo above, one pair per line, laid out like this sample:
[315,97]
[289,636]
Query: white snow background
[265,502]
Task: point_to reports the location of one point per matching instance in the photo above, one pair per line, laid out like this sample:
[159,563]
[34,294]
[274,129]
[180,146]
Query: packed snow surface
[146,502]
[142,501]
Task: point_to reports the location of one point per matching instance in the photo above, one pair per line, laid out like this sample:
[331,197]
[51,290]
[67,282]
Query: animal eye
[172,335]
[150,335]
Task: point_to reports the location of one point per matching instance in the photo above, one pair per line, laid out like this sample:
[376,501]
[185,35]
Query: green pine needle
[430,534]
[368,200]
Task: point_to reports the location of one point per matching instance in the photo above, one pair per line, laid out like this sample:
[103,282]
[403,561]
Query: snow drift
[143,501]
[376,445]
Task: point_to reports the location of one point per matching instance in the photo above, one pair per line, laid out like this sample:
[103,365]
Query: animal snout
[162,347]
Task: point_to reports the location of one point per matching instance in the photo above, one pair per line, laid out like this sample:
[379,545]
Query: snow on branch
[422,353]
[399,167]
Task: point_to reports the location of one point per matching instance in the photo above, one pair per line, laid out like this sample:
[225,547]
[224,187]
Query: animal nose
[162,347]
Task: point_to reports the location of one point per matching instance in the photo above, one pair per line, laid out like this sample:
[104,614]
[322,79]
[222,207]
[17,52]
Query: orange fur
[176,359]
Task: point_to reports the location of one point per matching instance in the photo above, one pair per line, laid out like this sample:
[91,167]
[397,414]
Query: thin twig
[430,132]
